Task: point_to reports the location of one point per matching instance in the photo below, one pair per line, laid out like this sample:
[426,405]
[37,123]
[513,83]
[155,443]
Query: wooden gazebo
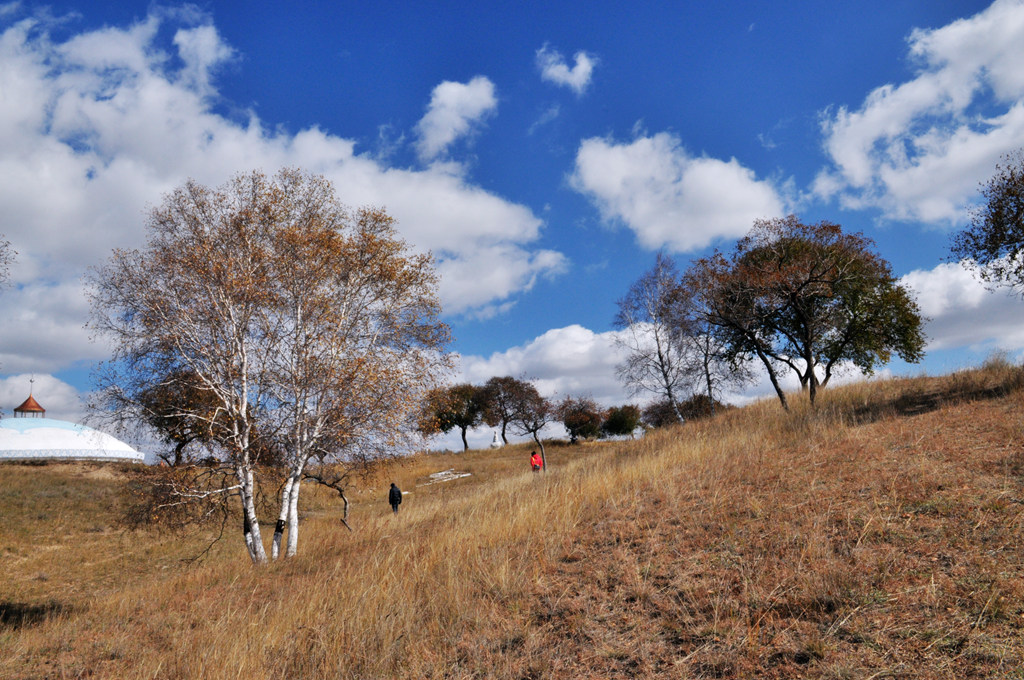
[30,408]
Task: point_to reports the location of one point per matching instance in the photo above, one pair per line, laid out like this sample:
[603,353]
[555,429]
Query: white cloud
[918,150]
[95,129]
[494,271]
[454,111]
[202,50]
[669,198]
[963,313]
[563,361]
[550,114]
[554,69]
[44,327]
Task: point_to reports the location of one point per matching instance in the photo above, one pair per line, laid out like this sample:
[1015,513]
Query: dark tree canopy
[6,258]
[532,413]
[459,406]
[808,297]
[993,246]
[659,414]
[581,416]
[499,399]
[181,412]
[621,420]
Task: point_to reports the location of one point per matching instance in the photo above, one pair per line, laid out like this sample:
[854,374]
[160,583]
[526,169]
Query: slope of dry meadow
[876,535]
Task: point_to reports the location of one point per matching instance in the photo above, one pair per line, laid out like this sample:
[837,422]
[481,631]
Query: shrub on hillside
[661,413]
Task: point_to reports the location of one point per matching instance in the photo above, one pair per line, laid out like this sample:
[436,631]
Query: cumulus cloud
[44,328]
[202,50]
[963,313]
[554,69]
[918,150]
[669,198]
[563,361]
[455,110]
[96,128]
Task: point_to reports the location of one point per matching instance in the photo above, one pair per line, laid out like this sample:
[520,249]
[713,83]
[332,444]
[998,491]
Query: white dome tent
[30,435]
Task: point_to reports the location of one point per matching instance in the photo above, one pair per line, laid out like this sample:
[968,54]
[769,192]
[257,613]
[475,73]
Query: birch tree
[710,366]
[6,258]
[357,334]
[310,327]
[653,362]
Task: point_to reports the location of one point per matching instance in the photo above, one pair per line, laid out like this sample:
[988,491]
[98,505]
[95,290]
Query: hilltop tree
[710,367]
[309,325]
[581,417]
[993,246]
[808,297]
[621,420]
[499,398]
[180,411]
[532,413]
[459,406]
[659,414]
[653,362]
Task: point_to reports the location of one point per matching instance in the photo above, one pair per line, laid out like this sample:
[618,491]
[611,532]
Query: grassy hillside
[876,535]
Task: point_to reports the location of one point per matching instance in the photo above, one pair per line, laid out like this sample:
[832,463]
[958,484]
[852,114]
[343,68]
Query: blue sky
[543,151]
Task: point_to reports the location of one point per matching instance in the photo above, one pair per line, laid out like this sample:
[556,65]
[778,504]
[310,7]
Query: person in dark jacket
[395,497]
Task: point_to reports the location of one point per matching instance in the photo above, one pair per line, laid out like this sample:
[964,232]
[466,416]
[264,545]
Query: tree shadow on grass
[15,615]
[916,402]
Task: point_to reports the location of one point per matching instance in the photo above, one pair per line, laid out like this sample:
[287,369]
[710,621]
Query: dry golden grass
[877,534]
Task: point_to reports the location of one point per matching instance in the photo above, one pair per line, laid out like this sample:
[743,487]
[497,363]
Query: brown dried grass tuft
[875,534]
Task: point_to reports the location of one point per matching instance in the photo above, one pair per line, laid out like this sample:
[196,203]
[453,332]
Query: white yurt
[30,435]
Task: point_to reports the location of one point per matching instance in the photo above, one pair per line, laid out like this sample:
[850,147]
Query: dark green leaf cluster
[621,420]
[808,297]
[582,418]
[994,243]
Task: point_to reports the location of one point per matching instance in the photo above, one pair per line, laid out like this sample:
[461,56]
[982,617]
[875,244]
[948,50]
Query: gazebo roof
[30,405]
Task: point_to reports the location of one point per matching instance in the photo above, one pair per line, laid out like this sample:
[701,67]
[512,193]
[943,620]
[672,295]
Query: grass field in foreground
[877,534]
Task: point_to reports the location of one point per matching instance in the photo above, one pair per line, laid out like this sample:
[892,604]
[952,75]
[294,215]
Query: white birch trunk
[282,516]
[293,521]
[253,540]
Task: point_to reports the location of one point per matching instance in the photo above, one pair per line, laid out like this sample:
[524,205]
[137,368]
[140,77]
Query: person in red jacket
[536,462]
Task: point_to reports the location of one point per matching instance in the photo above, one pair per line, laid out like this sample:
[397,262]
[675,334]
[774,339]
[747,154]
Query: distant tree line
[515,406]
